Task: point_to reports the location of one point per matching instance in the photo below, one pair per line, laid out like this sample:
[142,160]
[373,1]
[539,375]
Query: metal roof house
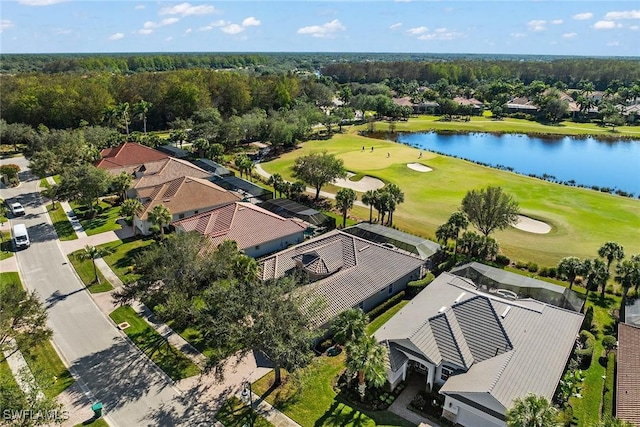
[494,279]
[483,350]
[343,272]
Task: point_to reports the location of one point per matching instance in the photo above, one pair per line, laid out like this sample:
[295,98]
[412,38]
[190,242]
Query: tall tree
[569,268]
[368,359]
[160,217]
[85,183]
[141,109]
[318,169]
[628,274]
[532,411]
[369,199]
[344,201]
[131,207]
[52,193]
[349,326]
[201,145]
[397,197]
[123,115]
[611,251]
[240,163]
[596,274]
[490,209]
[22,316]
[92,253]
[121,183]
[277,182]
[296,190]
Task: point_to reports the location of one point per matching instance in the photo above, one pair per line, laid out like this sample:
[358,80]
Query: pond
[585,161]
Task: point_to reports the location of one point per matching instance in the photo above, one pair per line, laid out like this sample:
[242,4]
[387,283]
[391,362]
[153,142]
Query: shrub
[414,287]
[588,319]
[532,267]
[381,308]
[521,265]
[502,260]
[609,387]
[586,353]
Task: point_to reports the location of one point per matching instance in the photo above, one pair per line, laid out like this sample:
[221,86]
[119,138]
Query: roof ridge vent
[459,297]
[505,312]
[364,248]
[442,309]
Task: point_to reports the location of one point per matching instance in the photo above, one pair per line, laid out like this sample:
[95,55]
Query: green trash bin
[97,409]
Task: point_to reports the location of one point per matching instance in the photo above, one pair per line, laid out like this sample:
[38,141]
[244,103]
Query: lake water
[589,162]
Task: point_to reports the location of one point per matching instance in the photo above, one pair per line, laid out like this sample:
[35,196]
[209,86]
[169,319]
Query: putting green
[581,220]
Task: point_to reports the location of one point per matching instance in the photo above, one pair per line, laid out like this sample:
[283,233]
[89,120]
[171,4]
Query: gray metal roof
[213,167]
[516,347]
[288,208]
[424,248]
[353,269]
[488,277]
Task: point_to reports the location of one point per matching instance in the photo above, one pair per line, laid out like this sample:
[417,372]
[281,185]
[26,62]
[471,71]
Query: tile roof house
[257,231]
[128,155]
[166,170]
[483,350]
[183,196]
[628,374]
[344,271]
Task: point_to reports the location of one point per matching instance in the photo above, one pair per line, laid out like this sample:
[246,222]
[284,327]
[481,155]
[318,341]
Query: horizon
[424,27]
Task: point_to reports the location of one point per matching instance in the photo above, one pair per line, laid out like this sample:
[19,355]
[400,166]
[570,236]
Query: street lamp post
[247,391]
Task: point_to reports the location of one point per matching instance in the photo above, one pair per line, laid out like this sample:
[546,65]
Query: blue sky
[569,27]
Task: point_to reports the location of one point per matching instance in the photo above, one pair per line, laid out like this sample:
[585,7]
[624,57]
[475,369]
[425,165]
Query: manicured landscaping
[84,268]
[155,346]
[9,386]
[236,413]
[377,323]
[100,422]
[315,402]
[45,360]
[6,246]
[431,197]
[44,183]
[104,220]
[122,258]
[61,223]
[9,277]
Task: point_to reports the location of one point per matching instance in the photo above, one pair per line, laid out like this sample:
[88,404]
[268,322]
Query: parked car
[16,209]
[21,236]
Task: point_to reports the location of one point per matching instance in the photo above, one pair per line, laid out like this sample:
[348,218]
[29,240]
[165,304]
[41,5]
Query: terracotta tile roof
[155,173]
[468,101]
[628,375]
[247,224]
[128,154]
[185,194]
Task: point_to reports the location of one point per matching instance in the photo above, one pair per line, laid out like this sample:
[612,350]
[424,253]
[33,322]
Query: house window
[445,373]
[180,216]
[361,305]
[390,289]
[195,212]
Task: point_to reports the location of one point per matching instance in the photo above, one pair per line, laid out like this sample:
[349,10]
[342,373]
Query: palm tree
[131,207]
[248,166]
[628,274]
[241,162]
[160,217]
[532,411]
[458,221]
[276,181]
[614,422]
[569,268]
[201,145]
[349,326]
[142,108]
[92,253]
[397,197]
[369,199]
[446,232]
[52,193]
[296,190]
[368,359]
[121,183]
[344,201]
[611,251]
[123,115]
[596,273]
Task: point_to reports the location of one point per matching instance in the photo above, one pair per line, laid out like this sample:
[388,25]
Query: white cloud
[518,35]
[417,30]
[250,22]
[39,2]
[627,14]
[537,25]
[395,26]
[634,27]
[326,30]
[139,7]
[557,21]
[185,9]
[168,39]
[583,16]
[604,25]
[569,35]
[232,29]
[188,30]
[116,36]
[402,1]
[216,24]
[5,24]
[613,44]
[149,26]
[441,34]
[145,31]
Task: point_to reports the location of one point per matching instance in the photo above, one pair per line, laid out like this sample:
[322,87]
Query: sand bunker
[365,184]
[532,225]
[419,167]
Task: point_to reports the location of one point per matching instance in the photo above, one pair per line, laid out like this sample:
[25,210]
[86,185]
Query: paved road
[110,369]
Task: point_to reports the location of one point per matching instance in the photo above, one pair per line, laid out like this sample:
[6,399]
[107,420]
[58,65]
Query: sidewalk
[21,372]
[97,239]
[77,227]
[399,406]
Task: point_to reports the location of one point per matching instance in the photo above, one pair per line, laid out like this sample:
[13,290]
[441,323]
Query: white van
[20,236]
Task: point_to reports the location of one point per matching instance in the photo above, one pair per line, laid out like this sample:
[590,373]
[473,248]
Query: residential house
[521,105]
[477,107]
[628,374]
[424,107]
[183,196]
[155,173]
[344,271]
[128,156]
[212,167]
[481,350]
[290,209]
[257,231]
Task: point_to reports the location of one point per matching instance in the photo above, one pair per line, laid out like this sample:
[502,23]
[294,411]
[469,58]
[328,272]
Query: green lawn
[315,402]
[6,245]
[100,422]
[154,345]
[235,413]
[105,219]
[581,220]
[44,183]
[11,395]
[123,256]
[85,270]
[61,223]
[44,359]
[587,409]
[10,277]
[377,323]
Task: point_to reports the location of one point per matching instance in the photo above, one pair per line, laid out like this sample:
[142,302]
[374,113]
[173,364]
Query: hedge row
[414,287]
[609,387]
[381,308]
[586,352]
